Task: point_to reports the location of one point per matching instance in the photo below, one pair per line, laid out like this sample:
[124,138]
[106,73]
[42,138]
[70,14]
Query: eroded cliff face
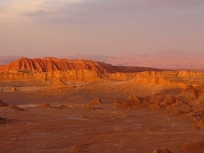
[46,68]
[52,64]
[170,78]
[75,75]
[84,70]
[180,79]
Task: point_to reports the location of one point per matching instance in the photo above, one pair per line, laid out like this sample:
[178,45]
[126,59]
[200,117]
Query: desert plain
[54,105]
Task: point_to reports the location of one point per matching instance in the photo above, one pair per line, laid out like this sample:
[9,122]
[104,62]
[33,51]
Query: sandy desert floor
[62,119]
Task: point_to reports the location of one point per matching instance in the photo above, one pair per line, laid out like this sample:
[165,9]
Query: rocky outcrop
[164,78]
[95,101]
[162,101]
[75,75]
[190,74]
[45,105]
[131,102]
[52,64]
[4,120]
[158,81]
[2,104]
[116,103]
[57,82]
[189,94]
[16,108]
[193,146]
[163,150]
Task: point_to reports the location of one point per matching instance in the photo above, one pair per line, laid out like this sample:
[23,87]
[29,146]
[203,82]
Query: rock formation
[13,89]
[65,106]
[87,107]
[116,103]
[164,150]
[2,104]
[132,102]
[193,145]
[190,93]
[162,101]
[45,105]
[95,101]
[58,82]
[16,108]
[4,120]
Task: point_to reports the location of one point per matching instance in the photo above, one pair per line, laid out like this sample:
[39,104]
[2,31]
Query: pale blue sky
[101,27]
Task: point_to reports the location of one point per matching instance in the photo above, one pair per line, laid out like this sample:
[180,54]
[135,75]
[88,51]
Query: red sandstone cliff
[53,64]
[42,69]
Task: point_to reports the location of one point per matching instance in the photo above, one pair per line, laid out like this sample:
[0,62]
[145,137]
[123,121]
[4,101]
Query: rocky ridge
[87,70]
[50,64]
[42,69]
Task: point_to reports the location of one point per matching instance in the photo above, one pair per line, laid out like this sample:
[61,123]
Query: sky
[100,27]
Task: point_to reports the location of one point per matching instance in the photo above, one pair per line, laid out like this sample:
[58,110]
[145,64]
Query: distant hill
[163,59]
[7,59]
[173,54]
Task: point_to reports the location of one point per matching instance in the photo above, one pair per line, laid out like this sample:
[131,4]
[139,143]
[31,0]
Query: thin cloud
[101,25]
[82,11]
[13,11]
[179,3]
[96,11]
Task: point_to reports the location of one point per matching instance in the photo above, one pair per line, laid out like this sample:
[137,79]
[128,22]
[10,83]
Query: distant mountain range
[7,59]
[163,59]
